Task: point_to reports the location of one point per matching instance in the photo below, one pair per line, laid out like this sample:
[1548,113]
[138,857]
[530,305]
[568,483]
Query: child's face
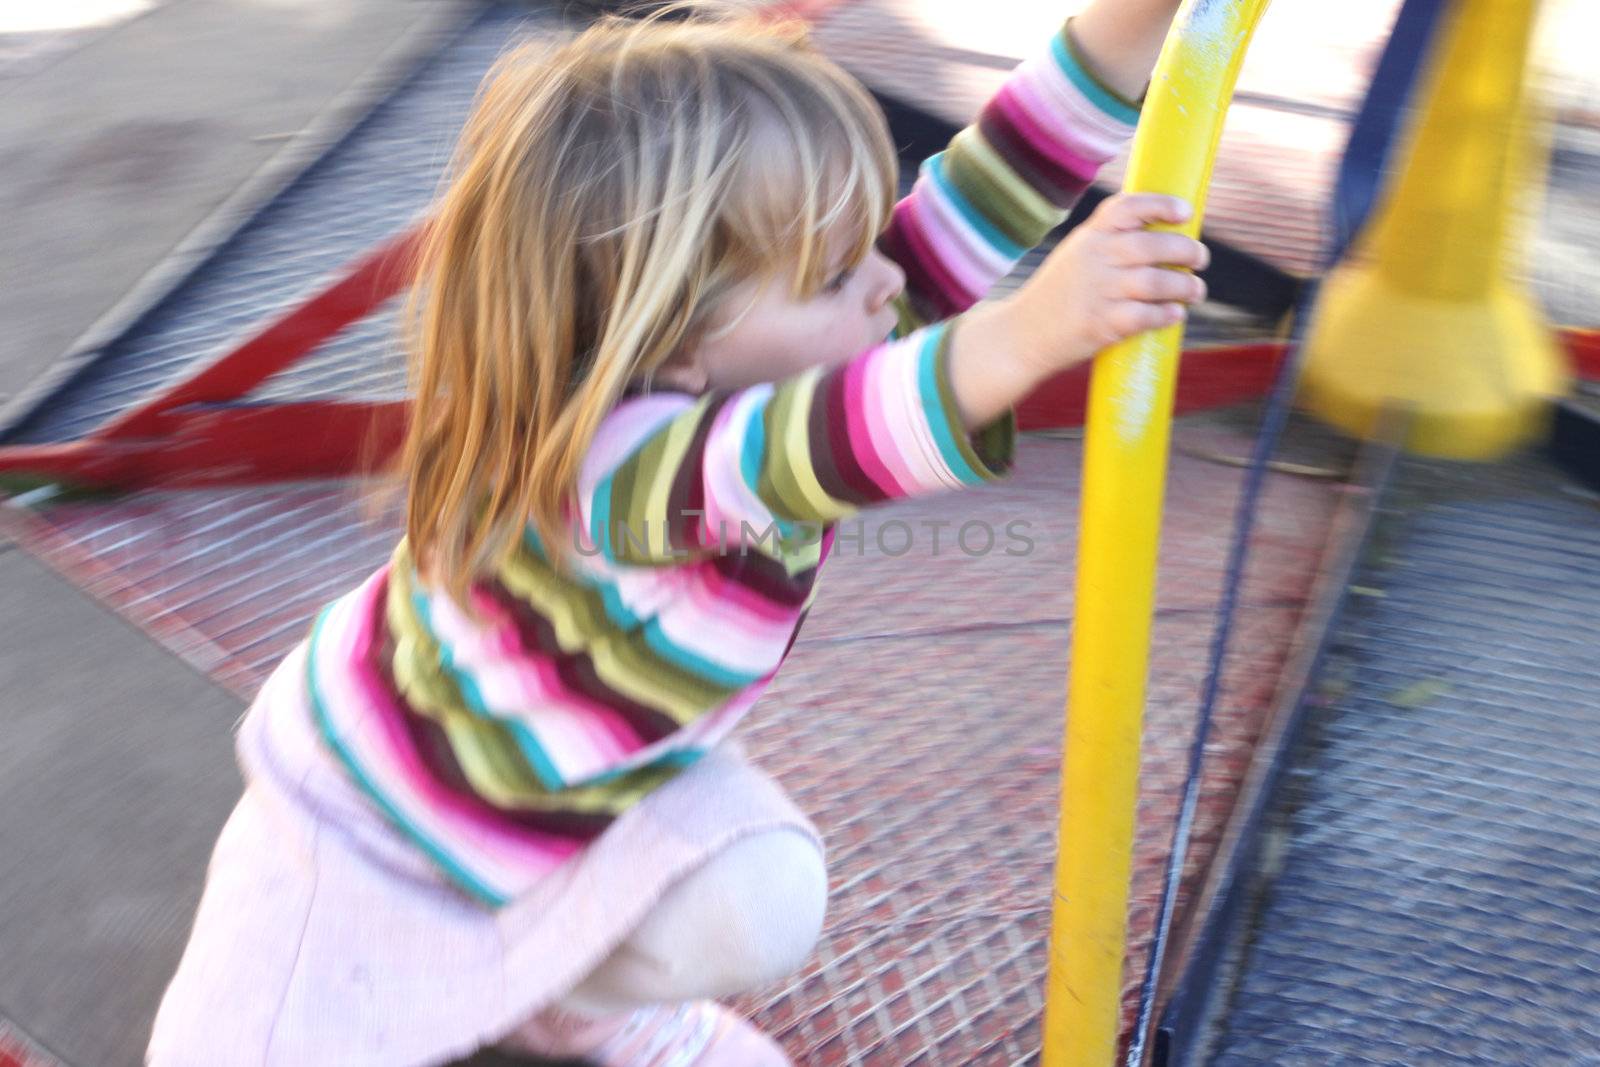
[780,335]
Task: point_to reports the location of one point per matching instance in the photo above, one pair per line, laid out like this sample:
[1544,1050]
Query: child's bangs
[818,196]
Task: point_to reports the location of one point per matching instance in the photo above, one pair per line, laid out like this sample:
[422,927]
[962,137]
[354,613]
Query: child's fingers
[1135,211]
[1154,248]
[1159,285]
[1132,317]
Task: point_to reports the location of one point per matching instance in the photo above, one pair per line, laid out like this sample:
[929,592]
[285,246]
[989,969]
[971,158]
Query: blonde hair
[607,195]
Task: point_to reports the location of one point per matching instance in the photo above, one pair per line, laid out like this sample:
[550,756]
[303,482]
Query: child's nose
[887,279]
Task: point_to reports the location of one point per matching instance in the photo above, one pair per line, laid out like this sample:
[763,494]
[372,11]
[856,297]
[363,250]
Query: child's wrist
[994,361]
[1029,342]
[1118,44]
[1034,335]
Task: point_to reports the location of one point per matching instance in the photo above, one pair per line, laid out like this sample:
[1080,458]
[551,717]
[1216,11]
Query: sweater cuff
[975,457]
[1072,62]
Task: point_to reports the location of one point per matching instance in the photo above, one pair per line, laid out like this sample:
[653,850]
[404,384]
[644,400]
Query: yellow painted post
[1124,475]
[1426,314]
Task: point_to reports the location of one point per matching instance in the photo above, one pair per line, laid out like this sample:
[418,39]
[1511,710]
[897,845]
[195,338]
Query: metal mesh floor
[922,703]
[1439,892]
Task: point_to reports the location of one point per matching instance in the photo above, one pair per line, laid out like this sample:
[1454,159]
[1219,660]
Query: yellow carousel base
[1476,378]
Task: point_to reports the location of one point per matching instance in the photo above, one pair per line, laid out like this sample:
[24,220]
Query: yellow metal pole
[1427,314]
[1124,474]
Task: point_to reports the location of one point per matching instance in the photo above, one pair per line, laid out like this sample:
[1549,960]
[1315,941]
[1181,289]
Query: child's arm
[1109,280]
[1010,178]
[1120,40]
[912,416]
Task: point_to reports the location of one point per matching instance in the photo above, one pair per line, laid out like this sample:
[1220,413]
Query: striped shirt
[502,740]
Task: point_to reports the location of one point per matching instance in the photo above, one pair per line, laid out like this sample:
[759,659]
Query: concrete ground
[115,776]
[125,151]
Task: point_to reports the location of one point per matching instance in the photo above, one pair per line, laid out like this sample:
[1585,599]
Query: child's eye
[840,280]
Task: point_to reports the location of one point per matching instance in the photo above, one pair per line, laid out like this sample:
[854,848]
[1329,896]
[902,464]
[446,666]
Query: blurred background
[1396,851]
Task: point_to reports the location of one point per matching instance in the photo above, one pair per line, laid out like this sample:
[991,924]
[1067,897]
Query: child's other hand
[1109,281]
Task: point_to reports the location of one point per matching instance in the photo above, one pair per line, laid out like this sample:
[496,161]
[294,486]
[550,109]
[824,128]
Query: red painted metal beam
[1209,377]
[233,444]
[198,432]
[1230,374]
[236,444]
[1584,346]
[382,274]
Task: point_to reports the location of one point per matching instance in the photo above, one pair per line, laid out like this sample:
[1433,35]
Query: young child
[669,326]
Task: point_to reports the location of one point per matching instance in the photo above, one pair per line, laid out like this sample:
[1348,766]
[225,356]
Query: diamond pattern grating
[918,719]
[1438,899]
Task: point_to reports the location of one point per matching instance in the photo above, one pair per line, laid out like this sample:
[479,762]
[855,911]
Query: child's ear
[684,371]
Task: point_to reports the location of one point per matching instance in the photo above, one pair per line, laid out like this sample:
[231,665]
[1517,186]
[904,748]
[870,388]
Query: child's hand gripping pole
[1125,455]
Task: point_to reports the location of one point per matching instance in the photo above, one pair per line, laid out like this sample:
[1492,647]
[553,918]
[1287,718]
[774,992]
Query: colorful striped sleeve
[766,468]
[1004,182]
